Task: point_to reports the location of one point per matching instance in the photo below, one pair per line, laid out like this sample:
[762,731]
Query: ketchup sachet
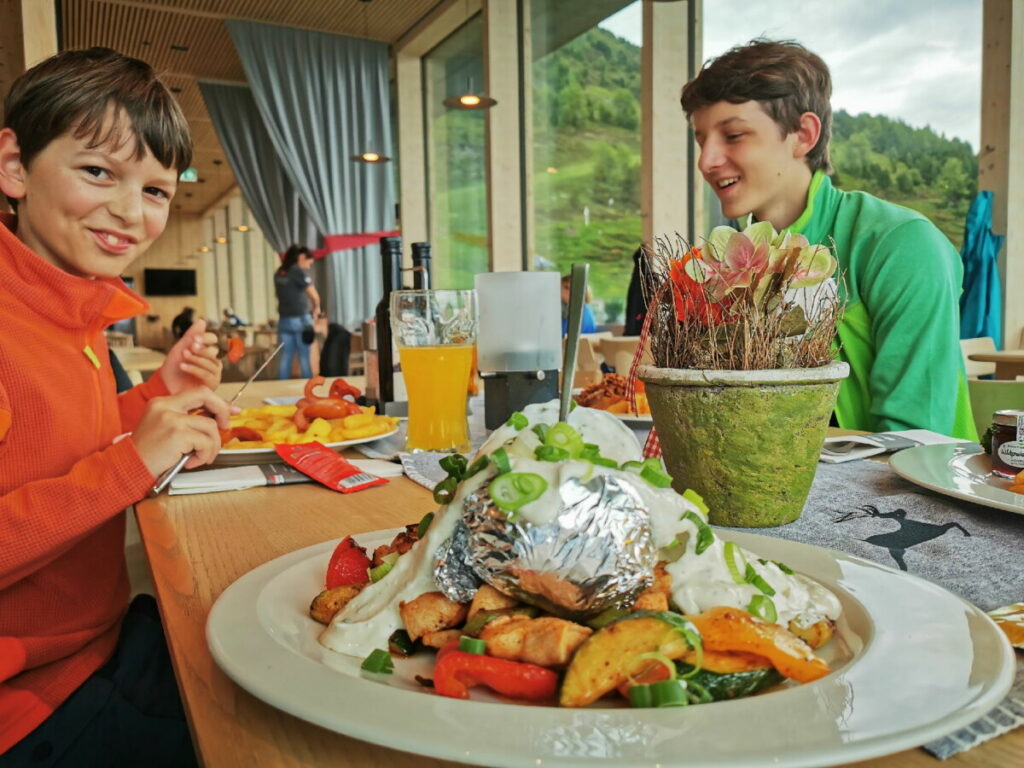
[327,467]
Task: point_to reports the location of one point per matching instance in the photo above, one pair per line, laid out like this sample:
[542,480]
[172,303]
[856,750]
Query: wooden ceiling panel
[186,41]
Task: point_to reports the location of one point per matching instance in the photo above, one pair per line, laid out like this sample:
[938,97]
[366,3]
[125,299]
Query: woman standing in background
[297,304]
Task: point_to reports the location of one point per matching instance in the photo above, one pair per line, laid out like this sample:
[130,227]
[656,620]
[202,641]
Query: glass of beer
[435,332]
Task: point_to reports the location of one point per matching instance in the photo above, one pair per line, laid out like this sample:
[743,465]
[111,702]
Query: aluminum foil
[597,553]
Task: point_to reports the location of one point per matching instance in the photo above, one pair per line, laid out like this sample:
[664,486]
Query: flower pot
[747,441]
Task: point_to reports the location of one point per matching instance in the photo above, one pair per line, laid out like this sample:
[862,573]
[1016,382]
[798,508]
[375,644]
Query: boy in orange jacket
[90,152]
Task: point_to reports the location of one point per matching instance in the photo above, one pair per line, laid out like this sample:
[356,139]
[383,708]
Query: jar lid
[1006,418]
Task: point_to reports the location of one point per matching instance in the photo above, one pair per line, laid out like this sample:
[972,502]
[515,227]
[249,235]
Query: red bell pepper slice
[348,565]
[457,671]
[340,388]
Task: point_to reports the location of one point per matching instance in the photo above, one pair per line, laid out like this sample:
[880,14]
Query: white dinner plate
[961,470]
[636,420]
[238,456]
[914,663]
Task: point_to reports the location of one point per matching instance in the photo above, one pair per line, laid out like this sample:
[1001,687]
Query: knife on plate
[165,479]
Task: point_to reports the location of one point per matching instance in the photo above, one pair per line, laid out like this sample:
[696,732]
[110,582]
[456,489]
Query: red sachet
[327,467]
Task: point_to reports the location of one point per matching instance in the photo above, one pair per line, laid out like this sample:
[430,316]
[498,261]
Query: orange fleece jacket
[64,482]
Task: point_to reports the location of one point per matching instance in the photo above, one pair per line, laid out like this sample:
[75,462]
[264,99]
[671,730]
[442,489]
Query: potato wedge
[330,601]
[441,638]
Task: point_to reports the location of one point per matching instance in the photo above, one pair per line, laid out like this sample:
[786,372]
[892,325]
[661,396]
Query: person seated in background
[762,119]
[589,325]
[231,320]
[182,322]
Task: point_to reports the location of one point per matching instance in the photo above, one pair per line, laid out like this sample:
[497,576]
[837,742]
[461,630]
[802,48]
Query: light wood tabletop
[139,360]
[1009,362]
[198,545]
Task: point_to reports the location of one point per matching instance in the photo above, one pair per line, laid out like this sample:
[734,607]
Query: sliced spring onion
[378,572]
[696,499]
[563,436]
[518,421]
[781,566]
[753,577]
[444,491]
[637,663]
[475,467]
[455,465]
[763,607]
[705,536]
[693,638]
[501,462]
[540,430]
[640,696]
[697,693]
[656,477]
[606,617]
[632,466]
[379,661]
[400,644]
[601,461]
[735,562]
[421,529]
[669,693]
[590,450]
[550,453]
[512,490]
[472,645]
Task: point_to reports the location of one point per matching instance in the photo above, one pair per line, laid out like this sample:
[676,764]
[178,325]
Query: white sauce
[699,581]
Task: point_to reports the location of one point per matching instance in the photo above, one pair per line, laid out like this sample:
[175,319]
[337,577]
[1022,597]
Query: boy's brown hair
[783,76]
[77,91]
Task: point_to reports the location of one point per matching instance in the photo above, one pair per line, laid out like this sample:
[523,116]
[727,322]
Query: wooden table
[198,545]
[1009,362]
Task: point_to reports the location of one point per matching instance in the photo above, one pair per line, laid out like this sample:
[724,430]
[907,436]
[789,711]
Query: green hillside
[586,165]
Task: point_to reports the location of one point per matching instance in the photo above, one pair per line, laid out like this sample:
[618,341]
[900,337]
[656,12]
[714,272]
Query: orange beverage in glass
[435,378]
[435,332]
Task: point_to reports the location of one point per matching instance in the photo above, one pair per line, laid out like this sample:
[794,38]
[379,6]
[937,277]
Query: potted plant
[744,378]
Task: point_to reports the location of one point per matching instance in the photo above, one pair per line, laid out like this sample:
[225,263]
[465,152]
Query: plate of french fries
[254,432]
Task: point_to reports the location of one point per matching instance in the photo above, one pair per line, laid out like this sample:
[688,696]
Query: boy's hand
[169,429]
[193,361]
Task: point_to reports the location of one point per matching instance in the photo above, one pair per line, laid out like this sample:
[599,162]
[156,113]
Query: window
[906,79]
[456,174]
[582,143]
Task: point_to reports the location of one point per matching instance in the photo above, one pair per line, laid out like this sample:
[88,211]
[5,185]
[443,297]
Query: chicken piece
[330,601]
[546,641]
[430,612]
[487,598]
[441,638]
[401,544]
[655,597]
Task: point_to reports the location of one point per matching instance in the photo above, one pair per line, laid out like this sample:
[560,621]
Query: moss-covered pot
[747,441]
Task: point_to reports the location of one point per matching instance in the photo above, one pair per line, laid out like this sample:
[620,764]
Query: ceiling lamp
[469,100]
[370,157]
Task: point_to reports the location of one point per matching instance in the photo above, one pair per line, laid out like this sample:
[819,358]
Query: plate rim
[450,712]
[901,463]
[239,452]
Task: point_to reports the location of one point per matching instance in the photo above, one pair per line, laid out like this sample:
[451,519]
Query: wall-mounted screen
[169,282]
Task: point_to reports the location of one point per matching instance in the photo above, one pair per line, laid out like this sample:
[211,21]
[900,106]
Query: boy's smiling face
[751,166]
[88,211]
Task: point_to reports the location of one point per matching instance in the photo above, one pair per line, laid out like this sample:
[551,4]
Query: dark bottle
[422,274]
[391,271]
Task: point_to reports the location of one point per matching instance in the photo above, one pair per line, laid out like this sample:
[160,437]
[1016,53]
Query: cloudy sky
[917,60]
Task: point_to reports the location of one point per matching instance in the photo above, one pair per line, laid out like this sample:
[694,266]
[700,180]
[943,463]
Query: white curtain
[324,98]
[266,187]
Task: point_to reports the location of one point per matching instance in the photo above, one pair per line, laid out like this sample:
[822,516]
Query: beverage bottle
[422,275]
[391,271]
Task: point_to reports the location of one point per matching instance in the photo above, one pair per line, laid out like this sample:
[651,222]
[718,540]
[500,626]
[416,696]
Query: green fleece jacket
[900,333]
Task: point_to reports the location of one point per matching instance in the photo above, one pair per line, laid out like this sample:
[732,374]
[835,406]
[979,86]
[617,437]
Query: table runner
[865,509]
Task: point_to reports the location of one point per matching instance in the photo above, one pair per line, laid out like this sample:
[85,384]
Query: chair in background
[356,361]
[588,367]
[974,346]
[987,397]
[117,339]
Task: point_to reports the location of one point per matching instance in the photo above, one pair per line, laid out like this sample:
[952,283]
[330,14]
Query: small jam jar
[1007,443]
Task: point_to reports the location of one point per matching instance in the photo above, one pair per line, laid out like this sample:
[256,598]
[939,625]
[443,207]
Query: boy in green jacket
[762,118]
